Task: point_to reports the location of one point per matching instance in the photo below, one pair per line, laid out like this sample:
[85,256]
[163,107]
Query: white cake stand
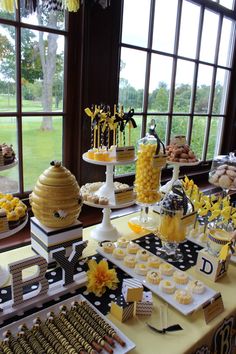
[105,230]
[175,176]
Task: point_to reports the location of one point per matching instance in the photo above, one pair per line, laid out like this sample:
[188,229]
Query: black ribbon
[172,328]
[128,118]
[152,131]
[178,189]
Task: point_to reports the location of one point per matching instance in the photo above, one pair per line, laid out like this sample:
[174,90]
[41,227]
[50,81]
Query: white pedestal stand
[105,230]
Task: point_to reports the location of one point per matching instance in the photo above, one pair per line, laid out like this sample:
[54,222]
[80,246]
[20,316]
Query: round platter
[105,163]
[10,165]
[175,163]
[15,230]
[111,206]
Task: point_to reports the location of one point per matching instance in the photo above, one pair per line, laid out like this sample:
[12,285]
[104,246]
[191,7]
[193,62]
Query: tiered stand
[4,274]
[105,230]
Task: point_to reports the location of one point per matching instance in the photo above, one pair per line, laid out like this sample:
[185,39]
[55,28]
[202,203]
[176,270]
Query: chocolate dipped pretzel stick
[23,342]
[78,310]
[39,336]
[13,343]
[5,347]
[70,333]
[50,337]
[110,330]
[60,336]
[35,345]
[75,319]
[1,350]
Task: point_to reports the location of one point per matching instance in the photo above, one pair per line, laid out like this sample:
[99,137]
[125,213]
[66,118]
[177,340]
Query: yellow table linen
[195,331]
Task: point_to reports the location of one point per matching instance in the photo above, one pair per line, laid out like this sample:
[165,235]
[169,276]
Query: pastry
[167,286]
[13,219]
[180,277]
[153,262]
[141,268]
[153,277]
[132,248]
[122,242]
[103,201]
[183,296]
[108,247]
[130,261]
[196,287]
[119,253]
[142,255]
[166,269]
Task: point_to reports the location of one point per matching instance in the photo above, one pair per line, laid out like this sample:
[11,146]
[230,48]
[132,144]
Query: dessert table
[196,336]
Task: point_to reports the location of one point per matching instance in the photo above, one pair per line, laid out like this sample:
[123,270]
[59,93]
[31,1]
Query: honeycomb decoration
[55,200]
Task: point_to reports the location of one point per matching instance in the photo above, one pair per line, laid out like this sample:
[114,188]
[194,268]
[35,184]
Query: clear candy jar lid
[223,171]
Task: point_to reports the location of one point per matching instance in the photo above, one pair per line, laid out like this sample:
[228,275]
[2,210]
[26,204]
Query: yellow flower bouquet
[101,277]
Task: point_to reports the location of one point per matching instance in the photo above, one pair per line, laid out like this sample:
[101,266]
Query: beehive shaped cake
[55,199]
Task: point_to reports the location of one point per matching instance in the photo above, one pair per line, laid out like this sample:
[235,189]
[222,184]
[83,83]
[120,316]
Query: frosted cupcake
[166,269]
[129,261]
[153,262]
[122,242]
[196,287]
[153,277]
[141,268]
[183,296]
[108,247]
[132,248]
[118,253]
[180,277]
[142,255]
[167,286]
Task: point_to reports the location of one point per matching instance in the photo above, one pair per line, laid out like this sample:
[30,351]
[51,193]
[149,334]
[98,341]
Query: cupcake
[153,262]
[129,261]
[108,247]
[153,277]
[122,242]
[180,277]
[142,255]
[166,269]
[141,268]
[118,253]
[132,248]
[196,287]
[183,296]
[13,219]
[167,286]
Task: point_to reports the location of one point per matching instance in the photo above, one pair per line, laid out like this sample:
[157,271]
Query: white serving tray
[198,300]
[118,349]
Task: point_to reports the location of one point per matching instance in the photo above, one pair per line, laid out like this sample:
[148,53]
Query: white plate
[198,300]
[118,349]
[175,163]
[15,230]
[105,163]
[10,165]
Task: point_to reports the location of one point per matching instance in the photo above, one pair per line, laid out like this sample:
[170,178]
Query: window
[32,59]
[175,66]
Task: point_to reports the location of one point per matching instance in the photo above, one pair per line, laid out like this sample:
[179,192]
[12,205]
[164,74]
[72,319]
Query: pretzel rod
[45,344]
[52,339]
[33,342]
[70,333]
[5,347]
[74,319]
[1,350]
[13,343]
[61,337]
[82,312]
[110,330]
[24,344]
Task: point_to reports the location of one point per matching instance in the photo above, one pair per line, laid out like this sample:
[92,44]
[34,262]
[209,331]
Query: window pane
[43,17]
[209,34]
[5,14]
[164,25]
[221,91]
[161,124]
[7,69]
[214,138]
[159,87]
[189,30]
[227,42]
[135,136]
[227,3]
[136,12]
[198,133]
[40,146]
[42,85]
[132,79]
[179,125]
[9,177]
[183,86]
[203,88]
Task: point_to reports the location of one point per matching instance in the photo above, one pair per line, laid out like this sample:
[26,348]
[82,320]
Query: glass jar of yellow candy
[148,170]
[172,225]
